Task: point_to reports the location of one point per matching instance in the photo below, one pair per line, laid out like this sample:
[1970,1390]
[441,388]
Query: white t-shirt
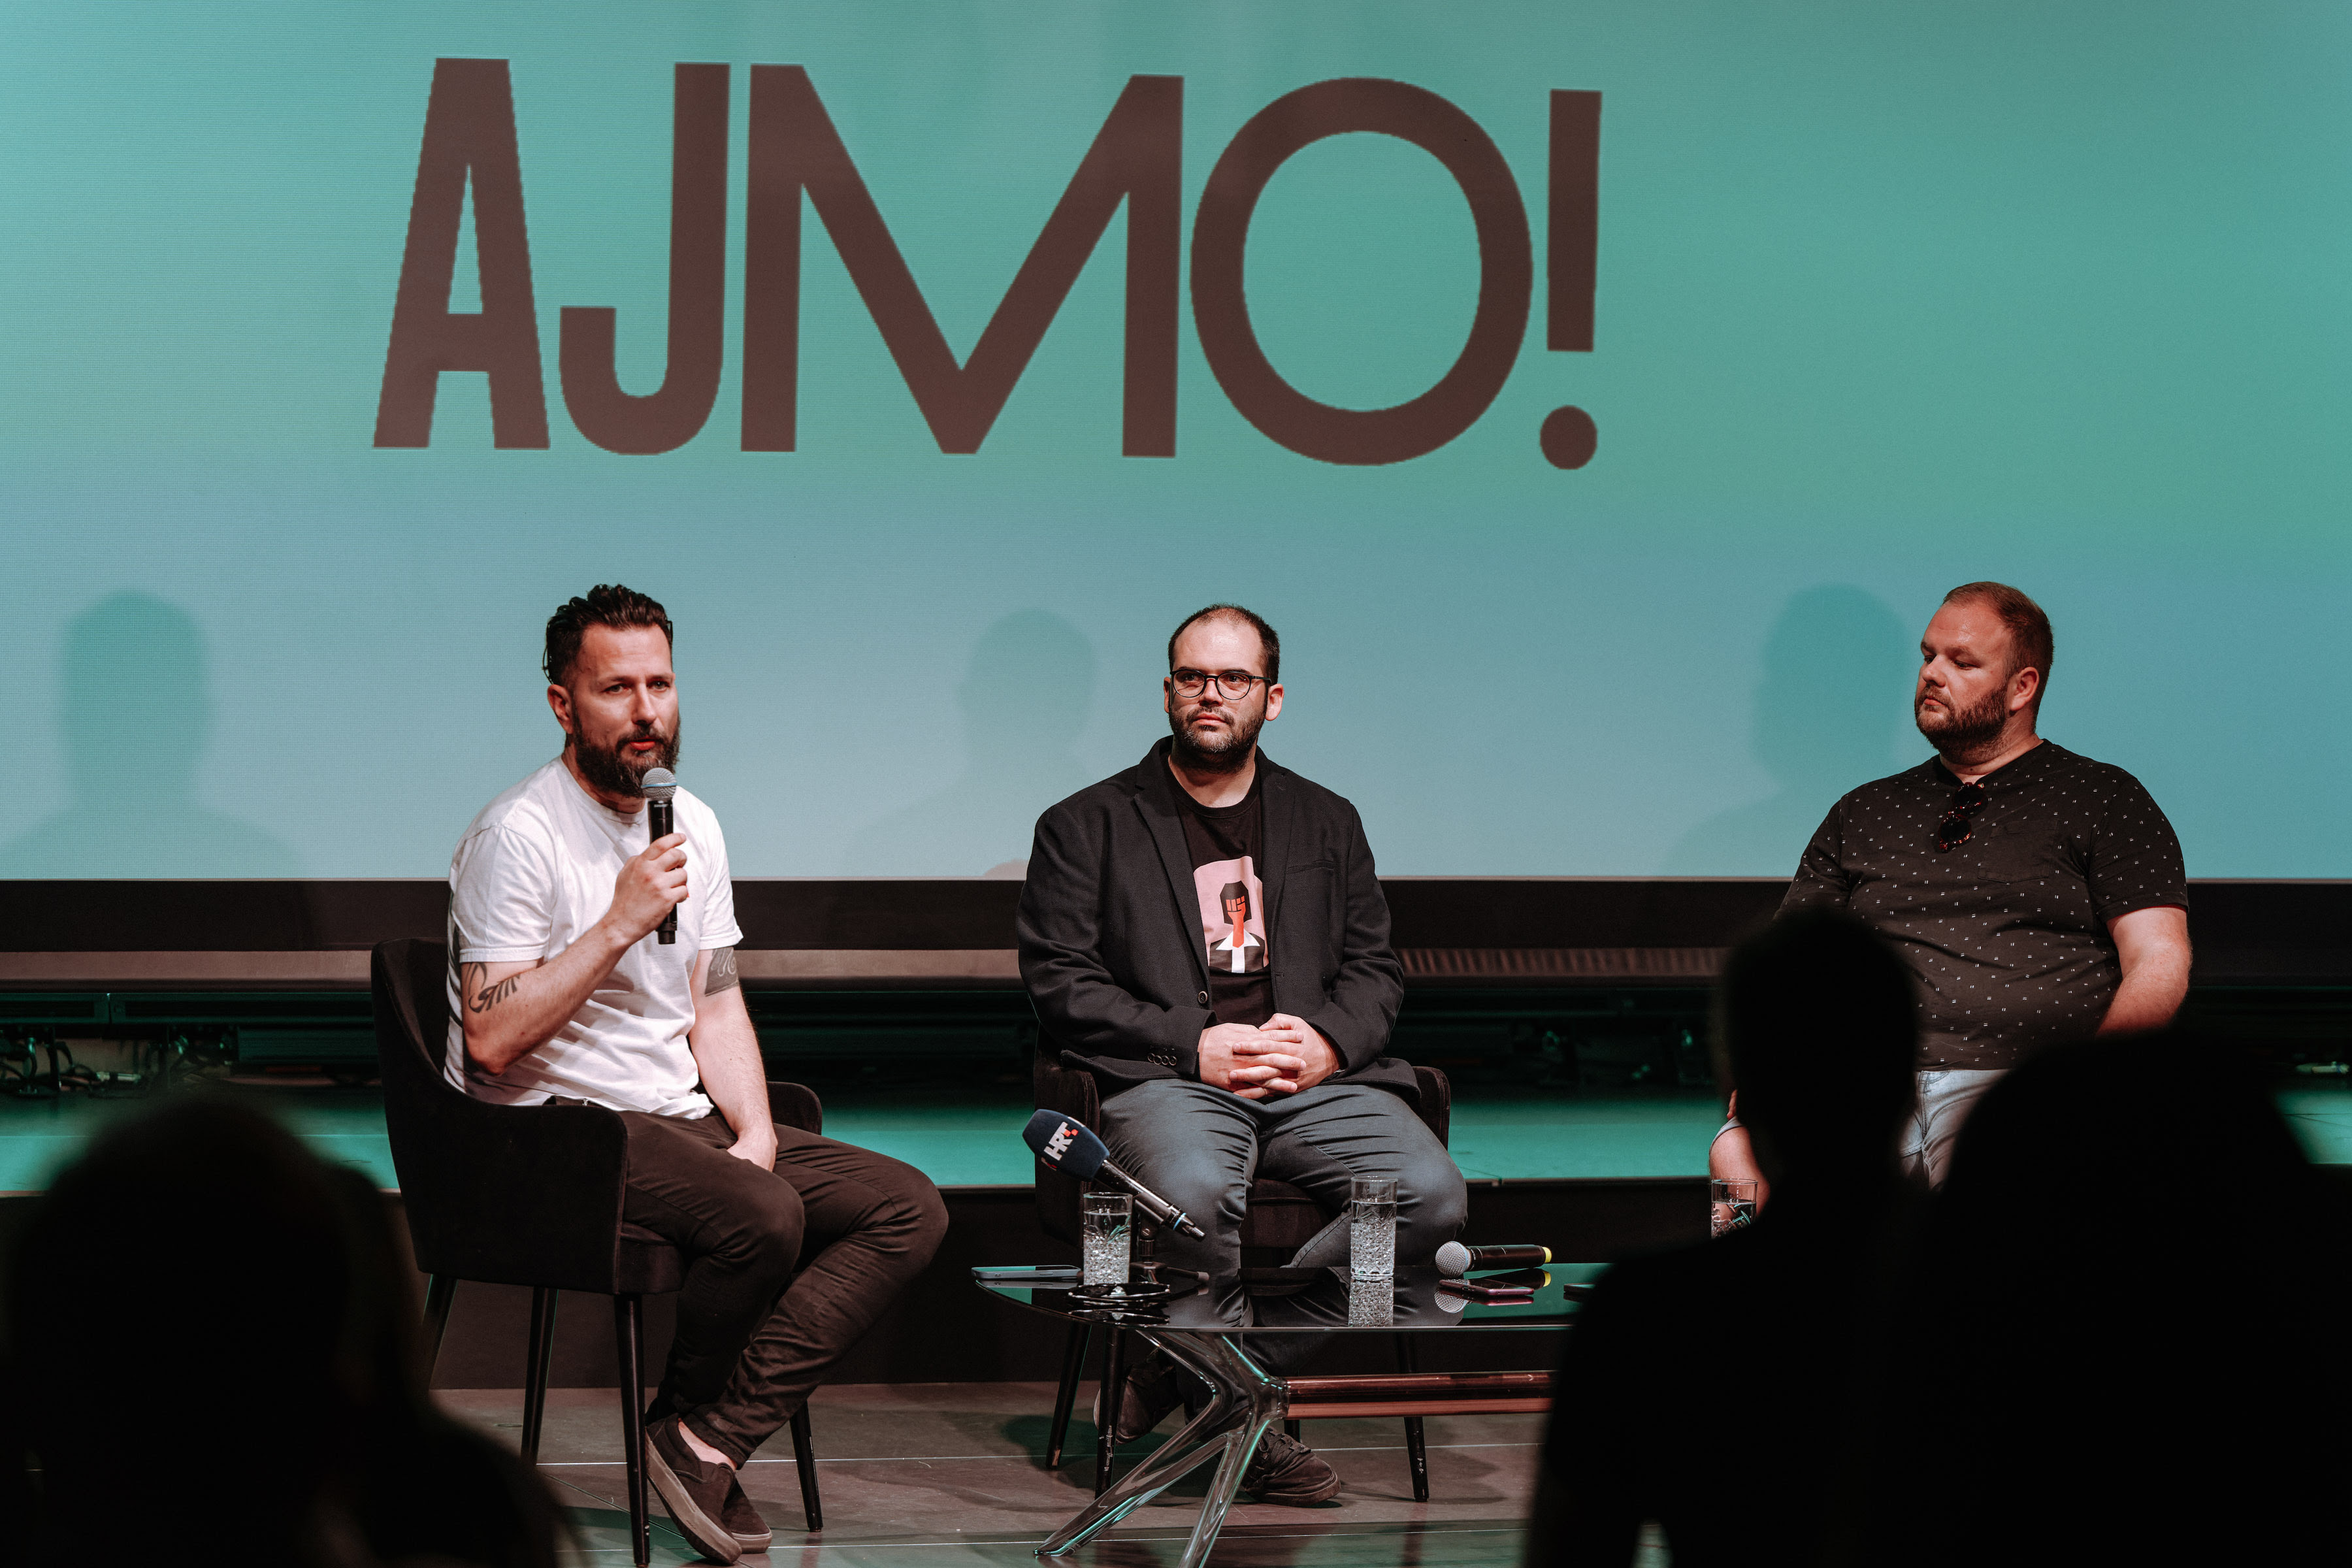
[532,874]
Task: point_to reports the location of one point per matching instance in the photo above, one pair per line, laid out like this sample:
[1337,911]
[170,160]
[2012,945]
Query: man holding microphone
[560,990]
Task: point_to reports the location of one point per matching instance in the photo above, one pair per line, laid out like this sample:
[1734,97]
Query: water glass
[1371,1303]
[1371,1227]
[1730,1204]
[1105,1222]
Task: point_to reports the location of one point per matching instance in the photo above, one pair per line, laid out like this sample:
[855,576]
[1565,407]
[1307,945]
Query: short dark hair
[1267,637]
[605,604]
[2028,628]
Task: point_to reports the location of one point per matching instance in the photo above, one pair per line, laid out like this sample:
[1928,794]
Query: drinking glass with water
[1371,1227]
[1731,1206]
[1106,1225]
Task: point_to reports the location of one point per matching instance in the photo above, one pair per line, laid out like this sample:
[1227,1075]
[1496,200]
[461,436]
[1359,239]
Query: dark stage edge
[1474,931]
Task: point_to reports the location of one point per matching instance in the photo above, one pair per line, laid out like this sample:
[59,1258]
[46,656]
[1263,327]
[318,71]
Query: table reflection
[1322,1300]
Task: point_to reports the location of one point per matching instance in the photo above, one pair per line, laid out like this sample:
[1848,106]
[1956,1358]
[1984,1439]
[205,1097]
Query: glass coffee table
[1215,1338]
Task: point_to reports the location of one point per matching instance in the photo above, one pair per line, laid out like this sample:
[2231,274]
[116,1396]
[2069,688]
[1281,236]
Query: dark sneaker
[1151,1391]
[742,1520]
[1286,1470]
[694,1492]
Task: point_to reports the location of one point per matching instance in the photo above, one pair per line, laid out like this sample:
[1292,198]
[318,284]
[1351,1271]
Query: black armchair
[530,1195]
[1279,1220]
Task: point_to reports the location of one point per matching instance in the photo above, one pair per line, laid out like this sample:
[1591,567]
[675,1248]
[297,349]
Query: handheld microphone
[660,785]
[1455,1259]
[1070,1147]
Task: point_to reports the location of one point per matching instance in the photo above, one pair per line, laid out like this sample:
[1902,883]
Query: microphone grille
[659,784]
[1453,1259]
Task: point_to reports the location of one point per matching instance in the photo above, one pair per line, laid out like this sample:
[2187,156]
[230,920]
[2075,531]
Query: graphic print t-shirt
[1225,842]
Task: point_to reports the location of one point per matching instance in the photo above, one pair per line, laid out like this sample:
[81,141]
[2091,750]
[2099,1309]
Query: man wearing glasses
[1204,933]
[2037,896]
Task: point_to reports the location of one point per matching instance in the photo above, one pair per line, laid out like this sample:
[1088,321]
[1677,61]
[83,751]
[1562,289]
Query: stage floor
[953,1473]
[972,1138]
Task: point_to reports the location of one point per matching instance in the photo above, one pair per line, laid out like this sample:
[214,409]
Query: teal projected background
[1890,296]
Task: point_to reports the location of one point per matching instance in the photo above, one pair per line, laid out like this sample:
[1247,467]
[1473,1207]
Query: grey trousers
[1200,1147]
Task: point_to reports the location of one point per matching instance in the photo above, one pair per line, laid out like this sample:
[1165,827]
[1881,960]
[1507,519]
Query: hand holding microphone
[646,893]
[661,793]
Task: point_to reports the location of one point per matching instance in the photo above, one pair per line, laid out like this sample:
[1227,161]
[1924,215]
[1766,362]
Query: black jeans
[786,1269]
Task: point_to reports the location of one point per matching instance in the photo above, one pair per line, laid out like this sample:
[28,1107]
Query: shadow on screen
[1829,710]
[136,717]
[1024,698]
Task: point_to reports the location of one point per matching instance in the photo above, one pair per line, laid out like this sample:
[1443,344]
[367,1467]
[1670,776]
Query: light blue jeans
[1947,1095]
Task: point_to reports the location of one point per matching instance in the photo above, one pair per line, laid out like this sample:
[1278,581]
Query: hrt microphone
[1455,1259]
[660,785]
[1070,1147]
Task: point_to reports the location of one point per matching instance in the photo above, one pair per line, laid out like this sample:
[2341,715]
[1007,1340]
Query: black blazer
[1110,940]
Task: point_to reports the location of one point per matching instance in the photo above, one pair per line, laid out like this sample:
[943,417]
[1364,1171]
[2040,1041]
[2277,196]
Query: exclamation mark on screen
[1572,255]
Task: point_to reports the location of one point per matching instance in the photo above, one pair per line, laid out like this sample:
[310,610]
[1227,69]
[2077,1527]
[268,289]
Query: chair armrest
[795,1105]
[1074,1093]
[1070,1090]
[514,1194]
[1436,1102]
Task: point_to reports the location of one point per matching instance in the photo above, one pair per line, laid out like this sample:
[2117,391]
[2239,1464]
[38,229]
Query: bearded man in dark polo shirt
[1204,933]
[2037,896]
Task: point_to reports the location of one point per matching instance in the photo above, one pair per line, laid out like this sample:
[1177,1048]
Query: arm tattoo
[722,975]
[480,998]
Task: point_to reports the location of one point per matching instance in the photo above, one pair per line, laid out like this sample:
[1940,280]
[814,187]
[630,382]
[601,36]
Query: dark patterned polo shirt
[2007,931]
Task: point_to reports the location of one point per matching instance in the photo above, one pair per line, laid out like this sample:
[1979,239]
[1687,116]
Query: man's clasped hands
[1281,1056]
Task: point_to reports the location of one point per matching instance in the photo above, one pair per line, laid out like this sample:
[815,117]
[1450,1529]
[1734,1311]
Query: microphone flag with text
[1070,1146]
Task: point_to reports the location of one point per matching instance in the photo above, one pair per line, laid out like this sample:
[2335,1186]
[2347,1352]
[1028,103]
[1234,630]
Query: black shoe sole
[704,1533]
[1289,1502]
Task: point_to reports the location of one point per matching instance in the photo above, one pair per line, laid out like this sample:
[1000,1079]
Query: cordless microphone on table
[660,785]
[1071,1147]
[1453,1259]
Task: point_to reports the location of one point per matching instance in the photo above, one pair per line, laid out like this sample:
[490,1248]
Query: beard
[1962,732]
[1221,756]
[609,770]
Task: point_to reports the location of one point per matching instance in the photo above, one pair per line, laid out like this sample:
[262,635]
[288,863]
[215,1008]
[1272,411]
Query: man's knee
[764,1229]
[913,1215]
[1164,1135]
[1432,1197]
[1198,1182]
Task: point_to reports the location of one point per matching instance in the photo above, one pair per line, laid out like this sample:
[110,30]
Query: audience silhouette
[1709,1388]
[2124,1342]
[210,1352]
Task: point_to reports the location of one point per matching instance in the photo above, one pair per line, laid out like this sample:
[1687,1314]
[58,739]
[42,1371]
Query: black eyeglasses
[1233,685]
[1954,830]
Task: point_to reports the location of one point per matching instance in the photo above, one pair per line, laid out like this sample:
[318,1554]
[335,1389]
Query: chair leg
[804,1458]
[534,1373]
[629,1344]
[1290,1428]
[1066,1394]
[439,1291]
[1114,1383]
[1416,1445]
